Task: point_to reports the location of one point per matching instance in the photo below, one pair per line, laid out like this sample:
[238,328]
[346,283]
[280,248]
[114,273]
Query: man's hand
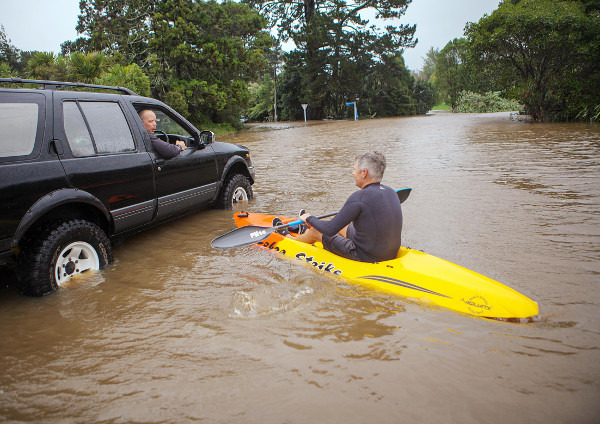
[305,216]
[181,144]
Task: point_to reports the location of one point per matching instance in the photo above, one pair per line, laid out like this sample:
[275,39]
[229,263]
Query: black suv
[77,170]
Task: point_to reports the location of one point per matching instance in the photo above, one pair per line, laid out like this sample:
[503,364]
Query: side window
[168,125]
[96,127]
[77,133]
[109,127]
[18,123]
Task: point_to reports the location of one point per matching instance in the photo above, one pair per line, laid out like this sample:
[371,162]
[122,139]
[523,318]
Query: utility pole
[275,95]
[274,62]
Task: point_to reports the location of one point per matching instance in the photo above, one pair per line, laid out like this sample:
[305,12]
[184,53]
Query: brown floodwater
[176,331]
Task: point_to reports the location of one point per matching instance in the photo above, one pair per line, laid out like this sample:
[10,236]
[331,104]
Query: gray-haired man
[368,228]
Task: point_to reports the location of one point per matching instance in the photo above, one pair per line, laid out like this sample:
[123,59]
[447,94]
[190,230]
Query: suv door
[190,179]
[102,158]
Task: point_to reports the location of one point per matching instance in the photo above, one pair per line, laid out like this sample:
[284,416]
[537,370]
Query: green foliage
[469,102]
[9,54]
[291,89]
[453,71]
[424,94]
[220,129]
[208,51]
[543,52]
[336,50]
[77,68]
[115,25]
[177,101]
[590,113]
[200,53]
[429,66]
[86,67]
[262,100]
[5,71]
[130,76]
[42,65]
[390,89]
[200,57]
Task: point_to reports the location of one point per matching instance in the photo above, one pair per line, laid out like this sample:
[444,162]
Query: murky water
[179,332]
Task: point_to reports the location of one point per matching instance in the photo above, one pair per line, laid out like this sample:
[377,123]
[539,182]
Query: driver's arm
[165,149]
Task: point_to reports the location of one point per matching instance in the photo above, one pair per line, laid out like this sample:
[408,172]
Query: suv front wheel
[60,252]
[237,189]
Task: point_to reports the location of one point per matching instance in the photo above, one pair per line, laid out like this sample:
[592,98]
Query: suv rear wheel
[237,189]
[60,252]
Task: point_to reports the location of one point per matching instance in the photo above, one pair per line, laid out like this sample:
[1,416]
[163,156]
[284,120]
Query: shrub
[469,102]
[130,76]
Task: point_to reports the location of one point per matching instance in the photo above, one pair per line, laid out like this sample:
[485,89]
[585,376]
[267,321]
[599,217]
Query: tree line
[215,61]
[543,53]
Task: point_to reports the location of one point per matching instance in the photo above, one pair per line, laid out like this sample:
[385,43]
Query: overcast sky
[44,24]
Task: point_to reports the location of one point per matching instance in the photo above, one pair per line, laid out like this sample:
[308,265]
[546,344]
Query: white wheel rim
[75,259]
[239,195]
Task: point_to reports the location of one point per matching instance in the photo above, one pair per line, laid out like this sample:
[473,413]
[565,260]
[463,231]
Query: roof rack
[51,85]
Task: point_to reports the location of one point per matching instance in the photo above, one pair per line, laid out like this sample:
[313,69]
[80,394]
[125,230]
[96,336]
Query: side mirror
[207,137]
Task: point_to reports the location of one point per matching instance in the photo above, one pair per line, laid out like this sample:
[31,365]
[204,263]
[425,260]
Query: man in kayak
[368,228]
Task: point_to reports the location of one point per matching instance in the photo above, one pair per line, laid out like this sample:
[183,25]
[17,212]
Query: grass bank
[220,130]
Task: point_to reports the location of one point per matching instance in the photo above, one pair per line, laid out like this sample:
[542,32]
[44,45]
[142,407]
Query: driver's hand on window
[181,144]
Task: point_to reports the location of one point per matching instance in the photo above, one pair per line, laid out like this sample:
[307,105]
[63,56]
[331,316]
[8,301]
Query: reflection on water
[176,331]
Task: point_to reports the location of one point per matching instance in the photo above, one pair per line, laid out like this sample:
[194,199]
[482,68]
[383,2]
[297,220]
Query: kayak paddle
[403,194]
[251,234]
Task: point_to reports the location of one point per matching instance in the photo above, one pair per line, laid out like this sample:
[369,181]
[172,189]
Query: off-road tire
[36,265]
[237,188]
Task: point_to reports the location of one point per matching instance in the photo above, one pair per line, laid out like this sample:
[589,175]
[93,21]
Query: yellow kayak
[413,274]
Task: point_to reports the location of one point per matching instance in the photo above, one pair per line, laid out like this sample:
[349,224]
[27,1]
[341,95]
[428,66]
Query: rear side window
[78,135]
[18,128]
[96,127]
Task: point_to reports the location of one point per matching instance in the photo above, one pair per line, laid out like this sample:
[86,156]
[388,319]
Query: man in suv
[78,169]
[163,148]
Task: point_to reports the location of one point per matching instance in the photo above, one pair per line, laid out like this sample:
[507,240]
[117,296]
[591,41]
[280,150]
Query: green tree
[42,65]
[291,88]
[9,54]
[426,79]
[87,67]
[177,101]
[110,26]
[336,46]
[544,52]
[130,76]
[262,100]
[424,95]
[204,51]
[429,64]
[212,50]
[389,90]
[5,71]
[452,70]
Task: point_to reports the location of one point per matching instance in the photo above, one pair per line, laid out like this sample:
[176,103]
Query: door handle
[55,147]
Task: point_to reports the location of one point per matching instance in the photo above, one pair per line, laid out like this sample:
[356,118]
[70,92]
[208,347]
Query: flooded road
[177,332]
